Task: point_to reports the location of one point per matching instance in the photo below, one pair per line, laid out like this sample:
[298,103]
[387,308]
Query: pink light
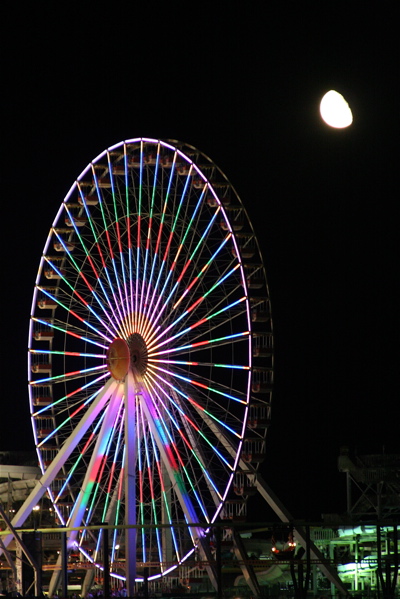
[77,411]
[109,244]
[86,281]
[101,255]
[93,266]
[149,233]
[158,238]
[128,229]
[168,245]
[197,324]
[81,298]
[119,237]
[196,303]
[199,343]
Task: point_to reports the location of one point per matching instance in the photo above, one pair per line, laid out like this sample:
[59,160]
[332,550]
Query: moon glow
[335,111]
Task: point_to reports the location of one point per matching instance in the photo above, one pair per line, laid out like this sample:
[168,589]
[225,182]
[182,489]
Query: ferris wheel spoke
[80,406]
[65,353]
[63,400]
[179,249]
[199,453]
[166,512]
[198,332]
[166,448]
[227,445]
[204,387]
[106,227]
[148,306]
[107,482]
[70,333]
[195,383]
[87,256]
[73,313]
[79,296]
[117,318]
[117,494]
[145,282]
[159,311]
[158,248]
[197,278]
[56,431]
[141,497]
[202,270]
[61,378]
[69,254]
[97,492]
[149,464]
[185,416]
[124,200]
[199,345]
[121,304]
[192,307]
[163,499]
[205,318]
[126,272]
[138,233]
[200,364]
[196,454]
[102,258]
[82,455]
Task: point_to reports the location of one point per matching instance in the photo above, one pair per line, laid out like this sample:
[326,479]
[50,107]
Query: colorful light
[152,265]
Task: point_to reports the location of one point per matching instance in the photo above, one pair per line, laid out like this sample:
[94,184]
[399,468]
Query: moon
[335,111]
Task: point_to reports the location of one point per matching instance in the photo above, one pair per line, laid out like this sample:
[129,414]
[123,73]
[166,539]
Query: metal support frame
[27,553]
[247,569]
[372,484]
[282,513]
[389,580]
[301,584]
[106,564]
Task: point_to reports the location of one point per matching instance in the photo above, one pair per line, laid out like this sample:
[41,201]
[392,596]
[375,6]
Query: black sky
[243,85]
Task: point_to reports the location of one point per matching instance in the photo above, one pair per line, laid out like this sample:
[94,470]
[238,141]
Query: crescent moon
[335,111]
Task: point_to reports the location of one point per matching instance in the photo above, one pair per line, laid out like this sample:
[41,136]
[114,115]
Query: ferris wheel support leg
[78,512]
[131,392]
[282,513]
[88,582]
[69,445]
[247,569]
[77,515]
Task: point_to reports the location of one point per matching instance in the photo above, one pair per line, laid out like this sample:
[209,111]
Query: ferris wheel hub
[138,353]
[122,355]
[118,359]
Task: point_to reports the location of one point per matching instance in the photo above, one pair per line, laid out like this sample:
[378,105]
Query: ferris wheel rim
[108,335]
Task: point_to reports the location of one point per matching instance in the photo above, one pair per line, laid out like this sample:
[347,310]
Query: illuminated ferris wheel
[150,354]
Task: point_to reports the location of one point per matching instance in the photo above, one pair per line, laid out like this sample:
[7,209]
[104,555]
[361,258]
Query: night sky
[242,85]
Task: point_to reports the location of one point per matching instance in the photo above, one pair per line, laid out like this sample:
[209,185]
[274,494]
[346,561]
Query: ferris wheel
[150,354]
